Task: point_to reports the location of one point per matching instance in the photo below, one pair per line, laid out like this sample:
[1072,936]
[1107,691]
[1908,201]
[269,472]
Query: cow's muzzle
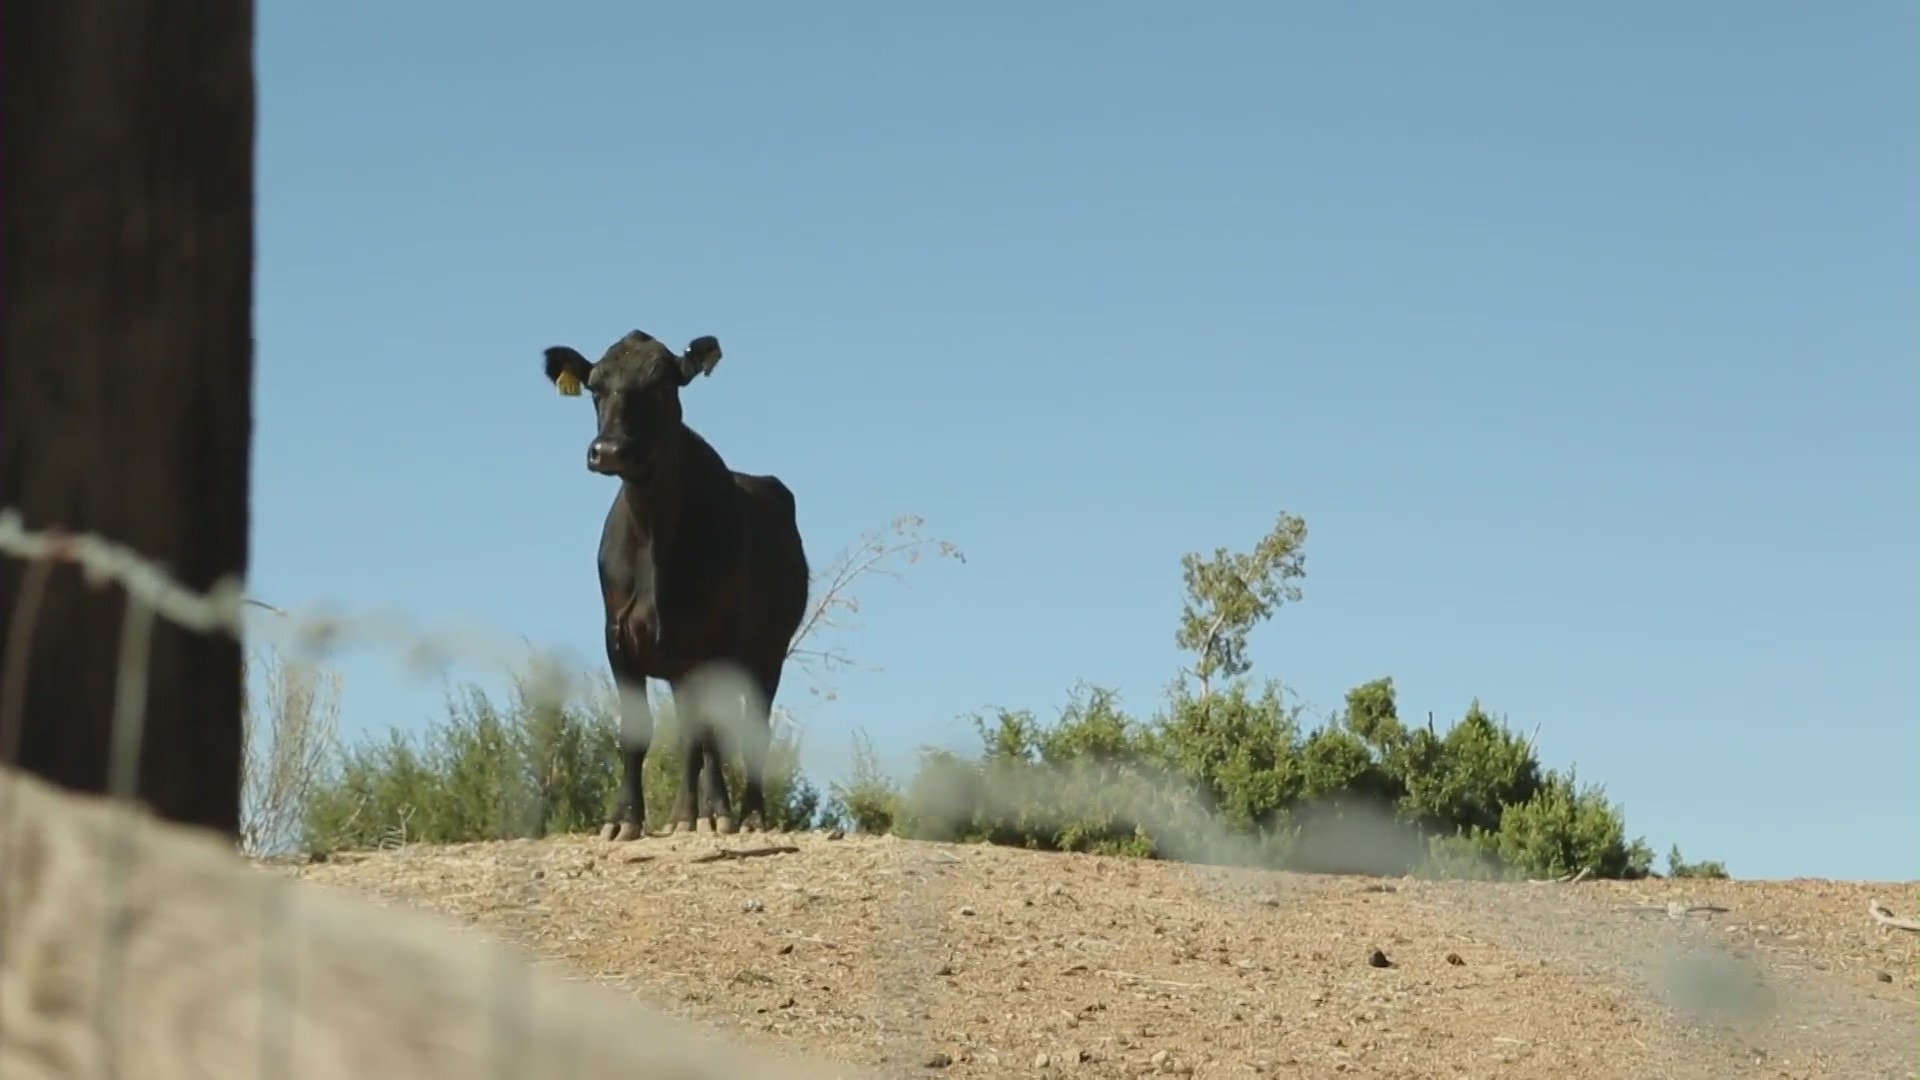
[607,456]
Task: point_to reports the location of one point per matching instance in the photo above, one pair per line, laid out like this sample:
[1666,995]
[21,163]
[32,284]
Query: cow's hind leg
[703,785]
[715,794]
[756,736]
[629,818]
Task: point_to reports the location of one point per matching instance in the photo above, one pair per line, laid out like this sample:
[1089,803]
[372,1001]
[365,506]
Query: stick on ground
[727,854]
[1563,879]
[1884,915]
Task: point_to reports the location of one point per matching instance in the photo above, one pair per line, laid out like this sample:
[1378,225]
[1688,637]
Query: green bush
[1230,777]
[1234,777]
[516,768]
[866,801]
[1222,772]
[1679,867]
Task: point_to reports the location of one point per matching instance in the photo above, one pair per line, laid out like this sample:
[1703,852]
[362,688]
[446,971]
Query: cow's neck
[653,509]
[653,506]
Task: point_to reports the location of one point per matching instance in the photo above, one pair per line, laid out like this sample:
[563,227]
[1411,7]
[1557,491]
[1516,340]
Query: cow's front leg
[629,818]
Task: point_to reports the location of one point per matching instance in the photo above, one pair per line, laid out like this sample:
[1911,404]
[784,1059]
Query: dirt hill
[939,960]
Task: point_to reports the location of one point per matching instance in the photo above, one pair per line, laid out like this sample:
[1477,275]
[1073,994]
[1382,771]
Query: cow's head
[636,394]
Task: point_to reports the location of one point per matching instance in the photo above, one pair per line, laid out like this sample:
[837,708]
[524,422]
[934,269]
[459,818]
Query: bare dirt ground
[964,961]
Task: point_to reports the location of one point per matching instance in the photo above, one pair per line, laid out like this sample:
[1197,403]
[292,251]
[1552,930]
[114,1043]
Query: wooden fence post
[126,366]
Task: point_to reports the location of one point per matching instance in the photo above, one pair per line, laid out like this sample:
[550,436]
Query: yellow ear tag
[569,384]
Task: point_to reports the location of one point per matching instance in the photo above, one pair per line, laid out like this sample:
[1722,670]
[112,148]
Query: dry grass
[980,962]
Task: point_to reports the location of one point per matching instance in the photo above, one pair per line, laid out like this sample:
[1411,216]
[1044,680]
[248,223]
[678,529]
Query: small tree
[1230,593]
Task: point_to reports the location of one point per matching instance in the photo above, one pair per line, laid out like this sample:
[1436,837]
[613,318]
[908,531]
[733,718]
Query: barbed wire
[309,634]
[545,676]
[153,594]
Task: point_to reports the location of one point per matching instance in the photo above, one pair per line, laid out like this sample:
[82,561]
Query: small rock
[939,1059]
[1159,1059]
[785,949]
[1883,976]
[836,834]
[1041,1060]
[753,904]
[1454,959]
[965,910]
[1267,900]
[1378,959]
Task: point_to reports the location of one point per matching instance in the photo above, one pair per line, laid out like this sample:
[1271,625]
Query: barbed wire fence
[161,916]
[296,989]
[133,948]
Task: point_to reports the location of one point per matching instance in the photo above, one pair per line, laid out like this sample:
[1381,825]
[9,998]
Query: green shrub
[1221,773]
[1234,777]
[866,801]
[494,769]
[1678,867]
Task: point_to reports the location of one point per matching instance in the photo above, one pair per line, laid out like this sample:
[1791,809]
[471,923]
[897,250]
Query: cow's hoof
[609,831]
[723,825]
[679,828]
[621,832]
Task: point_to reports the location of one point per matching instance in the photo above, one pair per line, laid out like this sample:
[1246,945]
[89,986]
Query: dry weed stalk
[178,961]
[1883,915]
[288,741]
[834,605]
[1574,878]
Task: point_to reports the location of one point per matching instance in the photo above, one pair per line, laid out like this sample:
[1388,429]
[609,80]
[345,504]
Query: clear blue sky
[1583,337]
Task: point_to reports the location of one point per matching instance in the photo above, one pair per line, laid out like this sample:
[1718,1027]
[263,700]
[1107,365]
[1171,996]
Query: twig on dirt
[811,939]
[1884,915]
[1674,909]
[1563,879]
[728,854]
[1129,976]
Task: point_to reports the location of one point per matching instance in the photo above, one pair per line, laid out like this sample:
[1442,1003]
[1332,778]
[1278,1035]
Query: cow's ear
[703,354]
[568,370]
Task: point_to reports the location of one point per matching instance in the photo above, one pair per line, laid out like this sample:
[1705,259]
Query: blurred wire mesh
[132,948]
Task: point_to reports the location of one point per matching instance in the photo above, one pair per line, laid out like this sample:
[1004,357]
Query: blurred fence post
[126,367]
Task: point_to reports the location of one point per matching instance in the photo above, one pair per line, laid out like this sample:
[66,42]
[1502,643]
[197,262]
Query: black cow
[698,563]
